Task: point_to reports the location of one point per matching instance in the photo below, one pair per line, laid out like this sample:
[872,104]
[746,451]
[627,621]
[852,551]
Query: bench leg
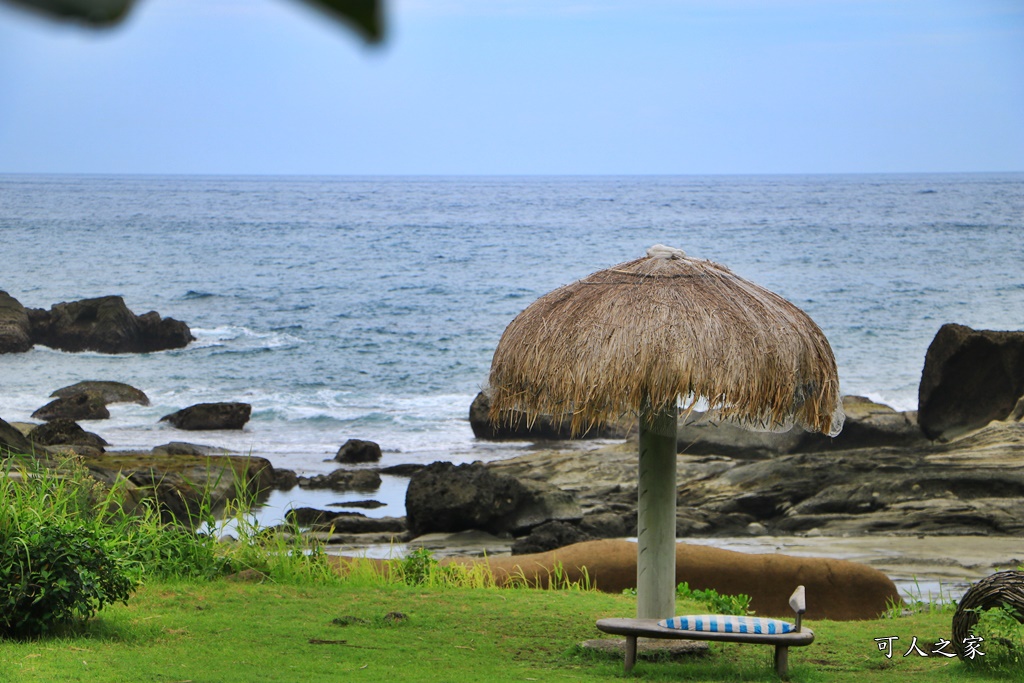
[630,653]
[782,661]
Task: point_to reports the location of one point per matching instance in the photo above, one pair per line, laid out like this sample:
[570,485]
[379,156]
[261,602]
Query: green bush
[738,605]
[59,562]
[51,576]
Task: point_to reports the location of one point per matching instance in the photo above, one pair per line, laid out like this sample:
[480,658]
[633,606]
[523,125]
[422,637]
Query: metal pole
[656,516]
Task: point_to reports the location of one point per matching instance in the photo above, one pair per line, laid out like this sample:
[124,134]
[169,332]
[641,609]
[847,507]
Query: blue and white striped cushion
[720,623]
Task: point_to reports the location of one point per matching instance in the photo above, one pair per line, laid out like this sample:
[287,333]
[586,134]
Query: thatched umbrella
[642,339]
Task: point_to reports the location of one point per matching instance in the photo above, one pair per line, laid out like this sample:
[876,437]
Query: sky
[520,87]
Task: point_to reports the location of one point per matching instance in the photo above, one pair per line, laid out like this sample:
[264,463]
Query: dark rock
[406,470]
[210,416]
[305,516]
[362,504]
[13,441]
[285,480]
[81,406]
[105,324]
[446,497]
[608,525]
[549,536]
[110,392]
[344,522]
[63,431]
[868,424]
[182,448]
[539,503]
[358,451]
[516,426]
[353,523]
[15,329]
[970,378]
[344,480]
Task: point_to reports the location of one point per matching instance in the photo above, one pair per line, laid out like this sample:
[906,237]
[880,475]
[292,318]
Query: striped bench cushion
[720,623]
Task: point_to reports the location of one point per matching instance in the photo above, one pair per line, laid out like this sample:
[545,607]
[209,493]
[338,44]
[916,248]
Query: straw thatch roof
[662,329]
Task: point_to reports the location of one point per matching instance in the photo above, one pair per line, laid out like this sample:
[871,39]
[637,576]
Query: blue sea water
[370,307]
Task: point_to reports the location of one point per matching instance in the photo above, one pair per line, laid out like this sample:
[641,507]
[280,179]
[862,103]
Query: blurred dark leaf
[365,17]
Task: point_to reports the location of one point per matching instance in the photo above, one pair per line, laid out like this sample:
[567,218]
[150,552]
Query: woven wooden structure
[1002,589]
[649,338]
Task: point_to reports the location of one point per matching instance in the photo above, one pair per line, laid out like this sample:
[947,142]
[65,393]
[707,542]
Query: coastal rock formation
[836,589]
[969,486]
[12,440]
[343,480]
[447,497]
[65,432]
[444,498]
[202,416]
[344,522]
[970,378]
[15,331]
[868,424]
[517,427]
[183,484]
[80,406]
[358,451]
[105,324]
[108,392]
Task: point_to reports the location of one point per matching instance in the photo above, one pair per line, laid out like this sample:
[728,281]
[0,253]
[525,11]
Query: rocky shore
[884,474]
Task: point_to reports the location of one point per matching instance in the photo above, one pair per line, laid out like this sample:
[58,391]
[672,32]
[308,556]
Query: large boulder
[516,426]
[105,324]
[80,406]
[13,441]
[447,497]
[15,330]
[970,378]
[109,392]
[210,416]
[65,432]
[444,498]
[357,451]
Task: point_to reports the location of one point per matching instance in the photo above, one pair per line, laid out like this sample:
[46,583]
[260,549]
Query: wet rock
[343,480]
[80,406]
[15,330]
[358,451]
[970,378]
[549,536]
[204,416]
[13,441]
[868,424]
[63,431]
[515,426]
[405,470]
[182,448]
[445,497]
[109,392]
[106,325]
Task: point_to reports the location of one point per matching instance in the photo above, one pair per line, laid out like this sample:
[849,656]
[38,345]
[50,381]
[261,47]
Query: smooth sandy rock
[109,392]
[836,589]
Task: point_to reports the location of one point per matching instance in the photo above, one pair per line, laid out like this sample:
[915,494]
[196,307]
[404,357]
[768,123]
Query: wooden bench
[649,628]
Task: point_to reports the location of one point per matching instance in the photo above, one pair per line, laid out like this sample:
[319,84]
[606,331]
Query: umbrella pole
[656,516]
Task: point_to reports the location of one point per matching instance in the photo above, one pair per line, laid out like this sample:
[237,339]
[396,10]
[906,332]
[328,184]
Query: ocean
[369,307]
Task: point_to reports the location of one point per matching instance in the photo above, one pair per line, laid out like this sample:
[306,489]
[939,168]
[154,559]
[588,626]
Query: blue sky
[520,87]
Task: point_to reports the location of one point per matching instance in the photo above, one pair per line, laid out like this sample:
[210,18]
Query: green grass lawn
[221,631]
